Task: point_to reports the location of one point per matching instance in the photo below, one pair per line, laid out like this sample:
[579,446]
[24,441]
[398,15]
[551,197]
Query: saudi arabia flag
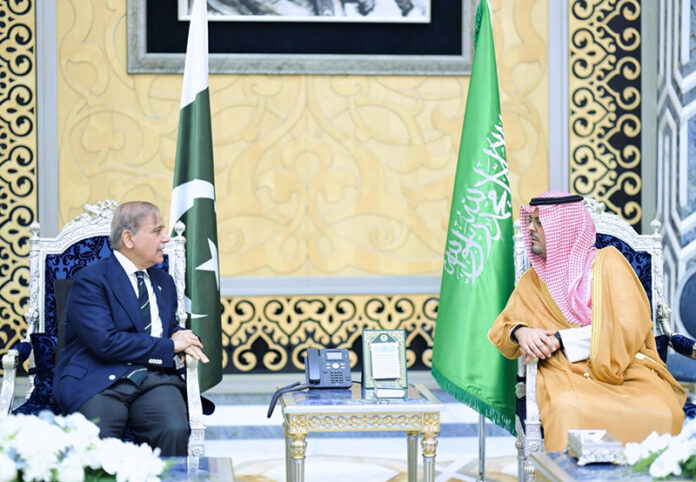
[478,273]
[193,199]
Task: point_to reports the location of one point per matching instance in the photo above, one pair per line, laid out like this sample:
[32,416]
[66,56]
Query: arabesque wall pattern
[604,104]
[18,199]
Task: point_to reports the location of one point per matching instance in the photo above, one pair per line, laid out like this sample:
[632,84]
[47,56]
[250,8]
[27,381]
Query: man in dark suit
[121,339]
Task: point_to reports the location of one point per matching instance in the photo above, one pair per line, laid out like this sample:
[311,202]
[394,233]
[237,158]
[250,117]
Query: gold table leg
[431,428]
[412,455]
[298,448]
[288,455]
[429,448]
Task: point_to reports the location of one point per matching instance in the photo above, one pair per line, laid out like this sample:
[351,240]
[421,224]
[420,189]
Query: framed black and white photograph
[390,37]
[408,11]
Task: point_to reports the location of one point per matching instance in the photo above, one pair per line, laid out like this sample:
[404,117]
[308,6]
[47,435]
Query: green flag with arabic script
[478,273]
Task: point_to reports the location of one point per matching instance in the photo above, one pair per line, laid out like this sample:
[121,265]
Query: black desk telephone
[327,368]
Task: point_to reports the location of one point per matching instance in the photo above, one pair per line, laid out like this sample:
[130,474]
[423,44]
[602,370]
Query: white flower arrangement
[666,455]
[68,449]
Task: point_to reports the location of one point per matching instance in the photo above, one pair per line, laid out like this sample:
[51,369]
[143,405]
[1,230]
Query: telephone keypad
[336,377]
[335,372]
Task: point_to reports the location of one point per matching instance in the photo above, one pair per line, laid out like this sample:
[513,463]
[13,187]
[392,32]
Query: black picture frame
[157,44]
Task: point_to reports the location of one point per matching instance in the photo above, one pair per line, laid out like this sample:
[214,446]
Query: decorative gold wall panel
[604,97]
[271,333]
[315,175]
[18,197]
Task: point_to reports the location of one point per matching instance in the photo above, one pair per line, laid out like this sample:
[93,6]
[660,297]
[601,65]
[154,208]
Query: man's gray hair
[129,217]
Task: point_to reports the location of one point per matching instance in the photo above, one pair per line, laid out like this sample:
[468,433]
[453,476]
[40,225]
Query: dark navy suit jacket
[104,332]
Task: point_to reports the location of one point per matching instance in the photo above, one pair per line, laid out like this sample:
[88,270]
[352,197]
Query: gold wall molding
[605,101]
[18,196]
[265,333]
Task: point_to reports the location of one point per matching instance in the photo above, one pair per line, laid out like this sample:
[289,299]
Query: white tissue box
[594,446]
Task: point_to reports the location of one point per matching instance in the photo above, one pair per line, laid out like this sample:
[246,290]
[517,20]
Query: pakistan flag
[478,273]
[193,199]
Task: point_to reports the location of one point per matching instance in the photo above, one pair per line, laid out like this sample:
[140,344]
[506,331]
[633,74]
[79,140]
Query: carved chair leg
[529,472]
[9,365]
[519,445]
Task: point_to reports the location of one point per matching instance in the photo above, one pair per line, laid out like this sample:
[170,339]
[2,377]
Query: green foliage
[99,475]
[644,464]
[689,467]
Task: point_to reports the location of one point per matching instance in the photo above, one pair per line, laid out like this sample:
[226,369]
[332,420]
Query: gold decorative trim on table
[605,101]
[284,327]
[347,422]
[17,162]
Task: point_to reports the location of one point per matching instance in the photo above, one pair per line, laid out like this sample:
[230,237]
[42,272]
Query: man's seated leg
[158,415]
[109,409]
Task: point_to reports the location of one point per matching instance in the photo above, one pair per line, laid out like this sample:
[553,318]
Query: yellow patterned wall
[286,326]
[18,195]
[605,104]
[344,175]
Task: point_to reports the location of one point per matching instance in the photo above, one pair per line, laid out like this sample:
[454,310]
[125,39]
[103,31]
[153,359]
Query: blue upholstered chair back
[641,261]
[65,265]
[68,263]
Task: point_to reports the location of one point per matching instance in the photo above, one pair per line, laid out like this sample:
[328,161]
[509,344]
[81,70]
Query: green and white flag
[478,273]
[193,199]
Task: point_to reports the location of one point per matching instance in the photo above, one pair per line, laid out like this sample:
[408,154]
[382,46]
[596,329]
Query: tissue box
[594,446]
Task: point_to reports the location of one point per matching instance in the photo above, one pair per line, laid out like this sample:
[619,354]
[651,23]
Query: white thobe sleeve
[576,343]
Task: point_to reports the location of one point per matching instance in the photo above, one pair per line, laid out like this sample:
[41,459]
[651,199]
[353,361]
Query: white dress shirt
[130,269]
[576,343]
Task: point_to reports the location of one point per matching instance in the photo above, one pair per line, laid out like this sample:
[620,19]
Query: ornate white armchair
[644,253]
[83,241]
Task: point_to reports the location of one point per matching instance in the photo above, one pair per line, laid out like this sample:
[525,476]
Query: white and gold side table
[355,409]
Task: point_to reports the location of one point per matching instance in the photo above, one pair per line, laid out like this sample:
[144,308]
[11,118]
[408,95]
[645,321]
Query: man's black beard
[538,251]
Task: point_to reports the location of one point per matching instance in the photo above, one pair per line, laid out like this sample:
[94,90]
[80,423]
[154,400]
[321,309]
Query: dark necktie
[144,301]
[138,375]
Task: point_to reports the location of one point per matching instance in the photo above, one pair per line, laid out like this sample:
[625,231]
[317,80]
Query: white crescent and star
[212,263]
[183,197]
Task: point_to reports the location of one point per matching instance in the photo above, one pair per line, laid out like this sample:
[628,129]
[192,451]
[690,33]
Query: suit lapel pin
[159,288]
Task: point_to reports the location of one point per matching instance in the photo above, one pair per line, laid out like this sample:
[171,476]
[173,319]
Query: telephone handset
[327,368]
